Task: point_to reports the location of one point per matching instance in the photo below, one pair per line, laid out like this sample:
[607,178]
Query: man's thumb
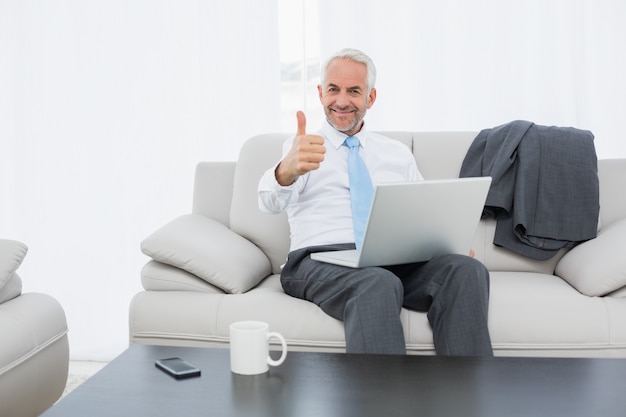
[301,123]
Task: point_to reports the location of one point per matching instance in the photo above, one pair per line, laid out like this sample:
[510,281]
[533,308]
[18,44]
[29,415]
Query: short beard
[354,127]
[349,130]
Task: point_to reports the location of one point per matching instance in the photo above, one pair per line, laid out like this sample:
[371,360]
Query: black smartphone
[177,367]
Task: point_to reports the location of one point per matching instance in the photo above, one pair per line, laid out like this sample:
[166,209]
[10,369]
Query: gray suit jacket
[544,192]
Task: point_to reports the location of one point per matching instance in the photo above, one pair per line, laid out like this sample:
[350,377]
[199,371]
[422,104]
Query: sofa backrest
[268,232]
[438,155]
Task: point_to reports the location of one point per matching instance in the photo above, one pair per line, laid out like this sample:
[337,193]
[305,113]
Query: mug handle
[283,356]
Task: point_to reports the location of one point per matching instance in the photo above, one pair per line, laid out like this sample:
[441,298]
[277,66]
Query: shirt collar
[337,138]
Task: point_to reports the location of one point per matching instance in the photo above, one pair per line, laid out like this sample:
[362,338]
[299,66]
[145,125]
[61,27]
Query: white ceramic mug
[249,347]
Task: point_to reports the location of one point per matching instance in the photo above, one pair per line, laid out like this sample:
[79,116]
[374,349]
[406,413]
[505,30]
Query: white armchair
[34,350]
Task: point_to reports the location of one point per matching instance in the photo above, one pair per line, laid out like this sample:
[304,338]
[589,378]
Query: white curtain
[468,65]
[105,109]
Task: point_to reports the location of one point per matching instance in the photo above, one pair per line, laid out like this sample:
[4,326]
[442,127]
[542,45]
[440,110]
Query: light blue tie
[361,188]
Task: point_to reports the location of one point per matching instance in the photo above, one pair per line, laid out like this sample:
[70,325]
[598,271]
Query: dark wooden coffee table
[341,385]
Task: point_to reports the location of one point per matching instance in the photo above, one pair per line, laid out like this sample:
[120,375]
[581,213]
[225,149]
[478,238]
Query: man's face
[344,96]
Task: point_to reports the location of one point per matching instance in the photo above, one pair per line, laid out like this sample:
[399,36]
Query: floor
[79,372]
[86,367]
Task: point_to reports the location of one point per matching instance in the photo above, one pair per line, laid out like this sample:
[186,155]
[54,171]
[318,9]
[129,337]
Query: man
[311,183]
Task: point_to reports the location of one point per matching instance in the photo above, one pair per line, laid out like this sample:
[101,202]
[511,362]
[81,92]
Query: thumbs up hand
[306,154]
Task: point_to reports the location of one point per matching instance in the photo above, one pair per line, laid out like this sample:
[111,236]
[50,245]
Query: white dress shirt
[318,202]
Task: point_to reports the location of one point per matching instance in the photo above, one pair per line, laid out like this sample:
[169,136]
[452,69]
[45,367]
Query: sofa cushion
[156,276]
[598,266]
[209,250]
[11,288]
[501,259]
[440,154]
[12,254]
[270,232]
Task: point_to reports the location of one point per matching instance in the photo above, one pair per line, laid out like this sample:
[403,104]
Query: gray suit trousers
[452,289]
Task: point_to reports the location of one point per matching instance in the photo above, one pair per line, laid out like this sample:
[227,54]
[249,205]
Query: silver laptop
[415,221]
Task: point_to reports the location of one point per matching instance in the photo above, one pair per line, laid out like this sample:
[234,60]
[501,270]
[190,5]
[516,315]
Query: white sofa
[34,350]
[221,264]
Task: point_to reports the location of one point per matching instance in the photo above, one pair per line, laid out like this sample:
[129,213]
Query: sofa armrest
[34,354]
[598,266]
[211,251]
[213,190]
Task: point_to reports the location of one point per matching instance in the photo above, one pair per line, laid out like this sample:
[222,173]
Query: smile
[342,112]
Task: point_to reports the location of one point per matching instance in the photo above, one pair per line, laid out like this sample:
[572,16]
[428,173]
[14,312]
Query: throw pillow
[598,266]
[11,288]
[209,250]
[12,254]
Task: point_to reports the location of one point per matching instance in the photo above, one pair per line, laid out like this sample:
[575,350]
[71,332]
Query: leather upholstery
[34,350]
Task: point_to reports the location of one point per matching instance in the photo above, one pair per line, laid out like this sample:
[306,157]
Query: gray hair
[356,56]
